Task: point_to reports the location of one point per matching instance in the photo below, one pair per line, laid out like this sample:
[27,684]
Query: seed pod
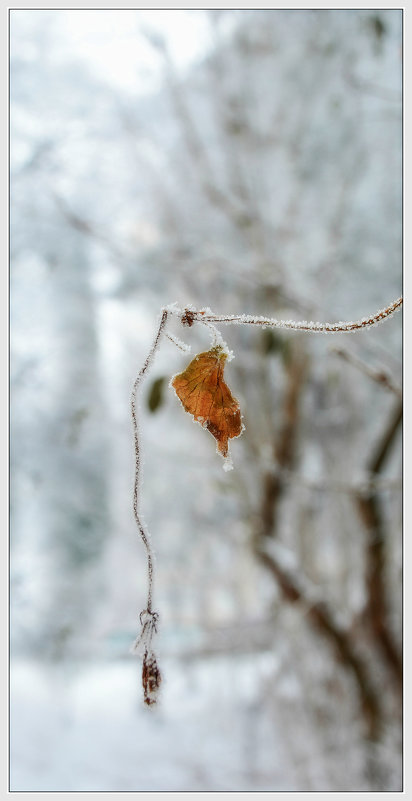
[151,678]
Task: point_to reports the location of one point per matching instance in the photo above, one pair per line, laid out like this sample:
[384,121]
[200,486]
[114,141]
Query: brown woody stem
[370,511]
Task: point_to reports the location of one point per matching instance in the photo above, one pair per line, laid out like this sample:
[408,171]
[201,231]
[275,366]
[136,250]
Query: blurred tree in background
[265,177]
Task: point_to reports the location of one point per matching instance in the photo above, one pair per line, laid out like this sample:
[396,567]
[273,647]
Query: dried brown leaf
[204,394]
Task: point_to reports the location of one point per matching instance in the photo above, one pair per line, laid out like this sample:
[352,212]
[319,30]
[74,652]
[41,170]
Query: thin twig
[206,315]
[151,676]
[143,533]
[377,375]
[363,486]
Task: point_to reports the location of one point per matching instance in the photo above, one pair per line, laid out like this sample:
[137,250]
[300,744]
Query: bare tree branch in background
[371,513]
[88,229]
[381,376]
[319,614]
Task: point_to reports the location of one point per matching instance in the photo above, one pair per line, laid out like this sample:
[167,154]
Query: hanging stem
[141,528]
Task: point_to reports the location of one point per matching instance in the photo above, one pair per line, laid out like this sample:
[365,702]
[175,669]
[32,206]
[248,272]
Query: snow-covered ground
[85,728]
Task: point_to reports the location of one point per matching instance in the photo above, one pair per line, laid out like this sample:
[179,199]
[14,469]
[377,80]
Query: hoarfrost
[178,342]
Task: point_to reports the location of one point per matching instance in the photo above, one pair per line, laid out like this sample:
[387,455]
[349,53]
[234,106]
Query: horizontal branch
[189,316]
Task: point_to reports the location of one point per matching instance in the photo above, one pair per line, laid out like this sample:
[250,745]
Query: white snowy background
[250,161]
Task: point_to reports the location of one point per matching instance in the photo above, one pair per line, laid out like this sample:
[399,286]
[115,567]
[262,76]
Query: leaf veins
[204,393]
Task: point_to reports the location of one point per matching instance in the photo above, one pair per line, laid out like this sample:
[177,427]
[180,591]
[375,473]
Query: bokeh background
[249,161]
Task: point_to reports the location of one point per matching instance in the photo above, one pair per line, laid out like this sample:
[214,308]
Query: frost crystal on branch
[206,316]
[179,344]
